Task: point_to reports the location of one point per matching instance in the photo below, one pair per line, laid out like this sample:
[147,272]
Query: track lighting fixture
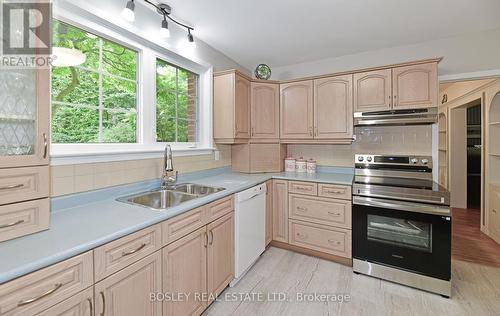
[128,12]
[164,10]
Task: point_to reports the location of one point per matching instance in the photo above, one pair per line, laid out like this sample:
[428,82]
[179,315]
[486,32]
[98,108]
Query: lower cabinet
[280,210]
[128,292]
[81,304]
[198,267]
[269,211]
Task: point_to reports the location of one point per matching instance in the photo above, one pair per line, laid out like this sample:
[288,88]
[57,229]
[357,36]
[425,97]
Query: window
[176,104]
[95,102]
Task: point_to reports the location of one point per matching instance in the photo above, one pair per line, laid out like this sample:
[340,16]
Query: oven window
[400,232]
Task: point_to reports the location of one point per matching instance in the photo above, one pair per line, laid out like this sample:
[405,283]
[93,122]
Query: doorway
[474,156]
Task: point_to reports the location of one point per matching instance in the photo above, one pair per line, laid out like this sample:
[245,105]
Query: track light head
[191,41]
[128,12]
[164,31]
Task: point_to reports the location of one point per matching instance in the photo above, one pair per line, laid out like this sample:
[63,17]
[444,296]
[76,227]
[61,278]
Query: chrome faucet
[169,176]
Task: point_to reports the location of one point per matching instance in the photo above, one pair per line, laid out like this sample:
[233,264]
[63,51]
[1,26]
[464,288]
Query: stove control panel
[366,159]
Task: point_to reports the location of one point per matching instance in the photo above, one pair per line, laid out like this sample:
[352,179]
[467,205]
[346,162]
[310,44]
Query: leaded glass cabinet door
[24,117]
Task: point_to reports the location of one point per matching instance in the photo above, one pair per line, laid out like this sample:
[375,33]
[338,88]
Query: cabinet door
[265,110]
[24,117]
[372,91]
[127,292]
[269,211]
[220,254]
[296,110]
[333,114]
[415,86]
[81,304]
[185,271]
[280,210]
[242,107]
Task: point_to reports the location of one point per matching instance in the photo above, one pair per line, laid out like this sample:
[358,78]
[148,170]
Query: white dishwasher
[249,229]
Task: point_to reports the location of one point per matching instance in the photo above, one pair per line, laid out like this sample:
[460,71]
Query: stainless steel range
[401,222]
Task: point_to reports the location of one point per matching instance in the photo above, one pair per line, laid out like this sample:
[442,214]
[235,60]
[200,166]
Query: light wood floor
[476,290]
[469,243]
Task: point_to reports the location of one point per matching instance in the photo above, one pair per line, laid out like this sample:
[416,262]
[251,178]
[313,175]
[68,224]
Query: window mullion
[176,104]
[101,112]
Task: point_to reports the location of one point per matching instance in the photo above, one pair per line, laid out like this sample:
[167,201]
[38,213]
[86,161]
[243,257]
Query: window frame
[146,146]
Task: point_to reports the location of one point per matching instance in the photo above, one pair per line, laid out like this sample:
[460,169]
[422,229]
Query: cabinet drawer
[307,188]
[24,218]
[81,304]
[183,224]
[21,184]
[220,208]
[335,241]
[42,289]
[120,253]
[320,210]
[334,191]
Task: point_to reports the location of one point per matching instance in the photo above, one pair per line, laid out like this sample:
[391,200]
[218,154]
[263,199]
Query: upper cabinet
[231,108]
[400,88]
[265,111]
[372,91]
[24,118]
[333,114]
[415,86]
[296,109]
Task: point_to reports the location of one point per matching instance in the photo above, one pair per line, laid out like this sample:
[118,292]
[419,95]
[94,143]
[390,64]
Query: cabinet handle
[315,131]
[131,252]
[334,241]
[206,239]
[334,192]
[90,306]
[252,131]
[494,210]
[31,300]
[211,238]
[334,214]
[301,236]
[12,224]
[303,189]
[103,303]
[45,146]
[14,186]
[303,209]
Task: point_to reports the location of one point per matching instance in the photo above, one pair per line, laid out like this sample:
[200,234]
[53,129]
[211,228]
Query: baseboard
[314,253]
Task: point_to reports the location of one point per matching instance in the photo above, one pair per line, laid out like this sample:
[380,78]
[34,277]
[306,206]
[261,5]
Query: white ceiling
[285,32]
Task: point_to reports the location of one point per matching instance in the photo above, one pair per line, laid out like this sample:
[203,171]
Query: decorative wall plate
[263,71]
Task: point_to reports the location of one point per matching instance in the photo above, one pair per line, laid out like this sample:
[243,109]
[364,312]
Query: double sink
[164,198]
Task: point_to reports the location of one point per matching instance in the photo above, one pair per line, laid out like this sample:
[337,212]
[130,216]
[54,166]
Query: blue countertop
[81,222]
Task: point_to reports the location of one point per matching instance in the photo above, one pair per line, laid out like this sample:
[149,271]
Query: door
[220,254]
[24,117]
[265,110]
[269,212]
[128,292]
[81,304]
[415,86]
[372,91]
[242,107]
[333,114]
[280,210]
[296,109]
[185,272]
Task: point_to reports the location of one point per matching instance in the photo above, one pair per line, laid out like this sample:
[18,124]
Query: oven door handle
[402,206]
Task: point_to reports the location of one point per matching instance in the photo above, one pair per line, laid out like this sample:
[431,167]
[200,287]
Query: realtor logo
[26,32]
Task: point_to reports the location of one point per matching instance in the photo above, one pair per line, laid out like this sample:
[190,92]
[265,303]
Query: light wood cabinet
[24,218]
[21,184]
[128,292]
[373,91]
[269,211]
[231,113]
[280,210]
[494,212]
[259,157]
[265,112]
[185,271]
[296,110]
[81,304]
[415,86]
[333,113]
[220,255]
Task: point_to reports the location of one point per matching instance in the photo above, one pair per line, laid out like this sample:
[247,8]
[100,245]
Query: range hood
[397,117]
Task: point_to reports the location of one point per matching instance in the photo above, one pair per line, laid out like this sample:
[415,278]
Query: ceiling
[285,32]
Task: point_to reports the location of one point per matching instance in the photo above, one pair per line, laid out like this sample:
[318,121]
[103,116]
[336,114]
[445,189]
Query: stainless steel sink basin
[172,196]
[159,200]
[196,189]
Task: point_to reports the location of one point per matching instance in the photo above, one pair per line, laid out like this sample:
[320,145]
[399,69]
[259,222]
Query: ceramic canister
[300,165]
[289,164]
[311,166]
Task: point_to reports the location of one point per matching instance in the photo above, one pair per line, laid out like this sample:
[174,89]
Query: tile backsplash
[414,140]
[67,179]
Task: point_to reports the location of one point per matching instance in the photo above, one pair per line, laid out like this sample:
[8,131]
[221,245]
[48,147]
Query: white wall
[146,28]
[463,55]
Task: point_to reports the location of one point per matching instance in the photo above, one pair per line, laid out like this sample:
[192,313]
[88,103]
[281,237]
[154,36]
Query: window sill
[79,154]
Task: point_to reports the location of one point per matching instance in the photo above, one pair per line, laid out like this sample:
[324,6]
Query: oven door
[410,236]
